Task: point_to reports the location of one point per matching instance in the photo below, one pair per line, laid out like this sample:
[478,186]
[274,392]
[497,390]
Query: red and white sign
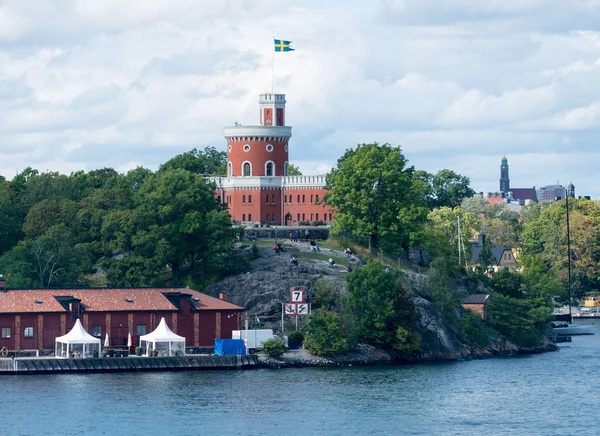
[297,295]
[302,309]
[290,308]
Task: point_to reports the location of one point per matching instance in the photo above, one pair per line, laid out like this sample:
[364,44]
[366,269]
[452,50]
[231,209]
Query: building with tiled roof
[504,258]
[33,318]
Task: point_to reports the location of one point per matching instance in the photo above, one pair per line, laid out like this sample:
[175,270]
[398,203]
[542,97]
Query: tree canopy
[374,194]
[138,228]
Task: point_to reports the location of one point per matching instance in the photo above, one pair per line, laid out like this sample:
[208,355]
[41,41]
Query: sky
[458,84]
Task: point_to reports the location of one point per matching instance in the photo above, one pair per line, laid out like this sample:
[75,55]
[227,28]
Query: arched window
[269,166]
[229,169]
[246,169]
[285,169]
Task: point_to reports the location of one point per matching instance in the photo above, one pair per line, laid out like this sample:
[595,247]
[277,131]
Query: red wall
[257,156]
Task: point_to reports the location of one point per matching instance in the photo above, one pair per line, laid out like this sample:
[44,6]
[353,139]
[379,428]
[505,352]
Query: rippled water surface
[549,394]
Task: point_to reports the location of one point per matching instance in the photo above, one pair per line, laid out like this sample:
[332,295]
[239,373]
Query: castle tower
[504,180]
[260,150]
[571,190]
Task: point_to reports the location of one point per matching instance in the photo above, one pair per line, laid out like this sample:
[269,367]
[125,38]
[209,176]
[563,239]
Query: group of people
[299,235]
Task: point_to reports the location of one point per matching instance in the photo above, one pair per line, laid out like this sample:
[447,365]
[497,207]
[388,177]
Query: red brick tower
[260,150]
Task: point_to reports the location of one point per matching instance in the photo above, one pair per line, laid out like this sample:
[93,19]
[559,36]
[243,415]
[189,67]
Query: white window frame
[247,148]
[266,164]
[285,169]
[229,169]
[244,163]
[270,148]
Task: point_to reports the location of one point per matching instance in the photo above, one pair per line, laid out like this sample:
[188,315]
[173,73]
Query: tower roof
[504,161]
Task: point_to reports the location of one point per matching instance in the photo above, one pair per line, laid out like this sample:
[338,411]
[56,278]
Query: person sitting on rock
[348,252]
[280,247]
[293,261]
[331,261]
[349,268]
[276,248]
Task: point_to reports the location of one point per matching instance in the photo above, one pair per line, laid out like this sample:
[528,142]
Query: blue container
[229,347]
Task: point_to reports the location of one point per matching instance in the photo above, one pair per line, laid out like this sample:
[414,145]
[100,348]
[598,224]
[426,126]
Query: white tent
[77,343]
[164,341]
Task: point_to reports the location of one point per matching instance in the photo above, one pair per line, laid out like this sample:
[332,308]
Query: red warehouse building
[31,319]
[258,188]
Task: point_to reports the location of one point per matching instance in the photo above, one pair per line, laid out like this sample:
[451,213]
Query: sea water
[548,394]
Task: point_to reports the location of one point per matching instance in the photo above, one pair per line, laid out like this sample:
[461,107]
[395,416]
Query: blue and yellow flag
[281,45]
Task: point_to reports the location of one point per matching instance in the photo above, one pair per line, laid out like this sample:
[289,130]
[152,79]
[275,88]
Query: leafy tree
[209,161]
[187,224]
[382,311]
[508,283]
[293,170]
[439,286]
[486,257]
[446,188]
[441,232]
[372,194]
[325,295]
[324,334]
[517,319]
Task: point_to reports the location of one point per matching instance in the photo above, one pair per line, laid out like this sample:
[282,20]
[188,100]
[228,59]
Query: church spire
[504,180]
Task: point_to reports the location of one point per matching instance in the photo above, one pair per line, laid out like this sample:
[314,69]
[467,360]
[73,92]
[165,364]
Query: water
[548,394]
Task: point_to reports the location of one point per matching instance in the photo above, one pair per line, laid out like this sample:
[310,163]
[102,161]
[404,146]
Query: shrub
[273,347]
[296,339]
[324,333]
[325,294]
[473,327]
[255,252]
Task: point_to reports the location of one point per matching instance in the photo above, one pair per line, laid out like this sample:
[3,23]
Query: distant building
[522,195]
[504,258]
[552,193]
[476,303]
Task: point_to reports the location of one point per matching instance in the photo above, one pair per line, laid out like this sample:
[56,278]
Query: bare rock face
[266,285]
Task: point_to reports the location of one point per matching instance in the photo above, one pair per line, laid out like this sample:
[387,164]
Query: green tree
[446,188]
[508,283]
[439,286]
[324,334]
[325,295]
[381,309]
[373,194]
[209,161]
[441,232]
[293,170]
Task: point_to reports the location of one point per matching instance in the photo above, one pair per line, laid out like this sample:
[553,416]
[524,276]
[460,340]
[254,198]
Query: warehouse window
[97,330]
[141,329]
[5,332]
[28,332]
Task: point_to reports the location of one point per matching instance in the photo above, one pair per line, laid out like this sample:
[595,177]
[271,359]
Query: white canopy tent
[164,341]
[77,343]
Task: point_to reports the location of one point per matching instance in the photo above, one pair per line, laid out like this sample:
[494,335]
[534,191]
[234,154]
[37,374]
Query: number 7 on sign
[297,295]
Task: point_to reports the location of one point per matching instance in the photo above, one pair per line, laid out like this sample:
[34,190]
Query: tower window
[312,198]
[285,169]
[317,198]
[267,199]
[303,199]
[269,169]
[249,217]
[229,169]
[269,148]
[273,199]
[298,198]
[247,148]
[247,169]
[249,199]
[243,217]
[243,199]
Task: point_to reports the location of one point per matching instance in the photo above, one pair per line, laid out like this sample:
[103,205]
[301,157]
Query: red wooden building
[31,319]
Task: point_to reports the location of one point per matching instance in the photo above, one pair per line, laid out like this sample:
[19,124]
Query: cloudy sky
[457,83]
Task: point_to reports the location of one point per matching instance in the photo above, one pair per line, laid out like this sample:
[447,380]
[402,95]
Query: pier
[51,365]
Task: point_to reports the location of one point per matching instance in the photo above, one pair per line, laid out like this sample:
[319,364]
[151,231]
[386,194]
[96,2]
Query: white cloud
[457,83]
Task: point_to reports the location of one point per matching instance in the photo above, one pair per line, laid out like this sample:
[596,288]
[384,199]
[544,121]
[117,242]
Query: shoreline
[366,355]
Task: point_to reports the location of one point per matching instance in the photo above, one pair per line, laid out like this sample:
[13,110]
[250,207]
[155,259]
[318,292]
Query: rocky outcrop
[263,287]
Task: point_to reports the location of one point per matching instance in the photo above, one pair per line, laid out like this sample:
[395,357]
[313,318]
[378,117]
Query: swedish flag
[281,45]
